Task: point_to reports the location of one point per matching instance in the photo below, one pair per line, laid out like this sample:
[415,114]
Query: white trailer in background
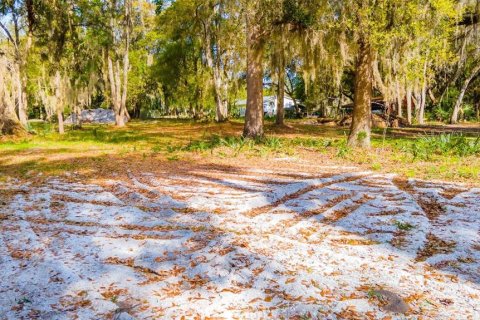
[269,105]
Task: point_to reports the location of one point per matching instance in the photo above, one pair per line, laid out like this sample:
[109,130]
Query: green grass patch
[448,156]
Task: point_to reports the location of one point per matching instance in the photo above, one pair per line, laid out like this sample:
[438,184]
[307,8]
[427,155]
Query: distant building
[269,105]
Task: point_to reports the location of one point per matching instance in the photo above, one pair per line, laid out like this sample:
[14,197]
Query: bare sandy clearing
[239,244]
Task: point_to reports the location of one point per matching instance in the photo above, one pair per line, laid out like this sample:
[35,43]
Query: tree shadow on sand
[227,241]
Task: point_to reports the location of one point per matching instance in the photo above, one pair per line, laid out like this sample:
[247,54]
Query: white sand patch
[260,244]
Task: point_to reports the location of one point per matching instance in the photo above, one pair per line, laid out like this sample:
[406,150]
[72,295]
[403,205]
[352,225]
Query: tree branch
[9,35]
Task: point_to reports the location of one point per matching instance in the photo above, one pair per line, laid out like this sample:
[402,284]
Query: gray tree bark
[409,105]
[362,110]
[463,90]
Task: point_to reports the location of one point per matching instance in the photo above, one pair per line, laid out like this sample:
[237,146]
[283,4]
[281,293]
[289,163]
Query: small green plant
[24,300]
[404,226]
[156,149]
[362,135]
[173,158]
[45,129]
[172,149]
[273,143]
[98,134]
[373,294]
[342,151]
[376,166]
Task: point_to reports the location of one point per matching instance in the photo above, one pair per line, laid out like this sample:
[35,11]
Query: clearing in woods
[249,238]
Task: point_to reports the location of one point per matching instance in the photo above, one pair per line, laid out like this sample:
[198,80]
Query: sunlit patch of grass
[452,158]
[376,166]
[429,147]
[469,172]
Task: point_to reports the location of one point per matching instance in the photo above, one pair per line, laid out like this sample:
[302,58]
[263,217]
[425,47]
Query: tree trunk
[362,110]
[23,105]
[126,65]
[61,128]
[9,123]
[20,62]
[409,105]
[123,102]
[477,110]
[458,104]
[22,108]
[281,91]
[290,91]
[221,96]
[118,75]
[115,91]
[59,101]
[417,97]
[423,96]
[254,114]
[399,100]
[219,86]
[423,102]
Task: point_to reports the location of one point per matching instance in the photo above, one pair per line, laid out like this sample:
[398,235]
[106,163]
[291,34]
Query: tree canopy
[198,59]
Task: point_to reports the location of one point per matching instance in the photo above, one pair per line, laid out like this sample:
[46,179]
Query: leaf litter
[258,244]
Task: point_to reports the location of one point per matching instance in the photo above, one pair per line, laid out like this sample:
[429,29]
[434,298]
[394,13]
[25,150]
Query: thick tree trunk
[120,120]
[458,103]
[362,110]
[9,123]
[20,61]
[10,126]
[254,114]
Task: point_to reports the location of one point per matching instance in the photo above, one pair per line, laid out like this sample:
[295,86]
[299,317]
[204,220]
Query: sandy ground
[226,243]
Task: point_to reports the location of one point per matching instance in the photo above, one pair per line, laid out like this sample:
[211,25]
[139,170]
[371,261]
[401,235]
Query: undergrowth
[446,156]
[424,148]
[262,145]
